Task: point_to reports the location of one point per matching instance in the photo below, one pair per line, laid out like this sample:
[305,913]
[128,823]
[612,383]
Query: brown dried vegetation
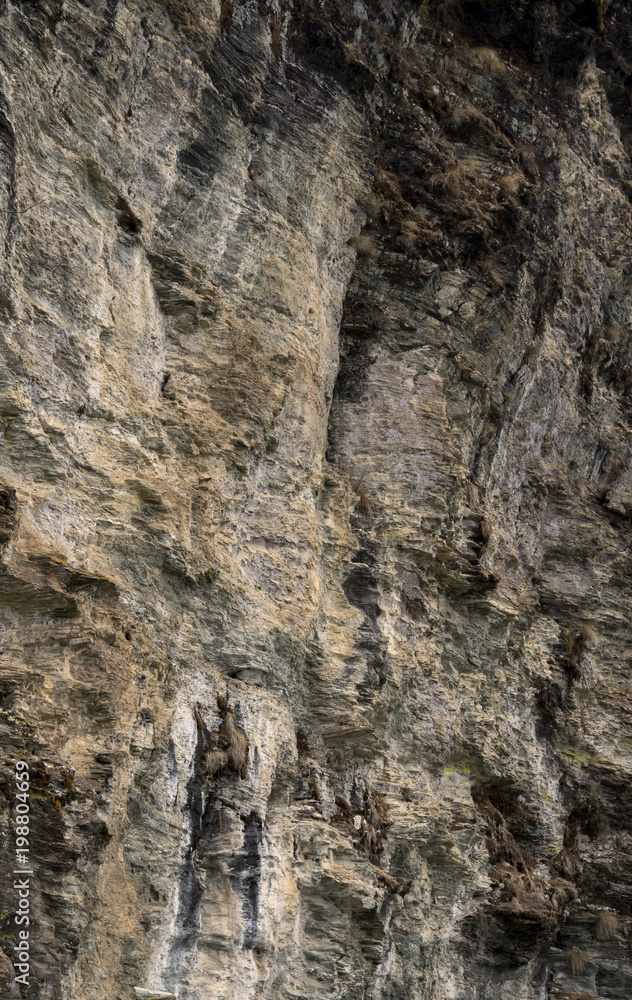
[512,184]
[606,926]
[197,18]
[373,205]
[524,900]
[589,634]
[486,59]
[227,748]
[606,357]
[395,885]
[469,123]
[571,659]
[492,271]
[577,961]
[454,181]
[365,244]
[226,16]
[302,742]
[364,503]
[368,828]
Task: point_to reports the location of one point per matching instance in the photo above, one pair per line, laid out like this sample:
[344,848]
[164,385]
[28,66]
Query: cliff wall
[315,498]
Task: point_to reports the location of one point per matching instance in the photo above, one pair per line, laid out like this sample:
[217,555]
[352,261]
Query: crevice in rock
[245,878]
[9,210]
[362,591]
[190,886]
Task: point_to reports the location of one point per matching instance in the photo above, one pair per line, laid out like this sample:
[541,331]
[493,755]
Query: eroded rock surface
[315,498]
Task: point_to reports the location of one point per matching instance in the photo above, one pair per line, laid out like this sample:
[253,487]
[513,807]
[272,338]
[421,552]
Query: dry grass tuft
[365,245]
[364,503]
[488,60]
[607,926]
[489,433]
[563,892]
[527,160]
[577,961]
[448,65]
[465,114]
[453,181]
[411,230]
[398,885]
[571,661]
[589,634]
[191,16]
[559,993]
[467,121]
[512,184]
[227,748]
[373,205]
[369,827]
[491,269]
[612,332]
[216,762]
[567,862]
[302,742]
[530,353]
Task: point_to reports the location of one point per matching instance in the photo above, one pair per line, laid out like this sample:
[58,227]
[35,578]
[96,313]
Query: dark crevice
[109,22]
[190,886]
[7,178]
[361,590]
[245,877]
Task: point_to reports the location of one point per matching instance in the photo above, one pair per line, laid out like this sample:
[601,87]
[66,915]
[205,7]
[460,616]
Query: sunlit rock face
[315,498]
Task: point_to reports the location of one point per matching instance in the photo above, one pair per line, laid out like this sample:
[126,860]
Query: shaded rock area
[315,497]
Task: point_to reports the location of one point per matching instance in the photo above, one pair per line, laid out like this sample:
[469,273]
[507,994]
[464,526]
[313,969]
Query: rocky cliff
[315,497]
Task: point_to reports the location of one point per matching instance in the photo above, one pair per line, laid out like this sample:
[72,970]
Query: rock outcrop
[315,497]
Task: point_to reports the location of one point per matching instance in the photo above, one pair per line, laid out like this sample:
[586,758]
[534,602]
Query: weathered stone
[315,497]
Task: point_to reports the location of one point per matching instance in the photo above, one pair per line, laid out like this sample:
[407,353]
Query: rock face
[315,498]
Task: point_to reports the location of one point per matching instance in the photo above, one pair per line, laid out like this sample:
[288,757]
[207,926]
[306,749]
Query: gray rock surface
[315,497]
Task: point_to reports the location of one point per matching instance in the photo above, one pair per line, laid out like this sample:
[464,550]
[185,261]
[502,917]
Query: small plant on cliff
[373,205]
[577,962]
[607,925]
[564,892]
[364,502]
[453,181]
[191,15]
[467,121]
[364,244]
[489,60]
[227,748]
[512,184]
[368,827]
[589,634]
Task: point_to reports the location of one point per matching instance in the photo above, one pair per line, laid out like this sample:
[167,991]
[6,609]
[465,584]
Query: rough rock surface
[315,498]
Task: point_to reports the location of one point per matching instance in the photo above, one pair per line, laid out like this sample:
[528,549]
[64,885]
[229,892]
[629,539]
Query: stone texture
[315,497]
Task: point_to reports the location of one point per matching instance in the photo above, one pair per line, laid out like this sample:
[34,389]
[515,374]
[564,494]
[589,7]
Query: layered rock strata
[315,500]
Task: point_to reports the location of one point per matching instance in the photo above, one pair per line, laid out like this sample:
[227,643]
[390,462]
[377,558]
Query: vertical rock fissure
[245,877]
[9,217]
[190,887]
